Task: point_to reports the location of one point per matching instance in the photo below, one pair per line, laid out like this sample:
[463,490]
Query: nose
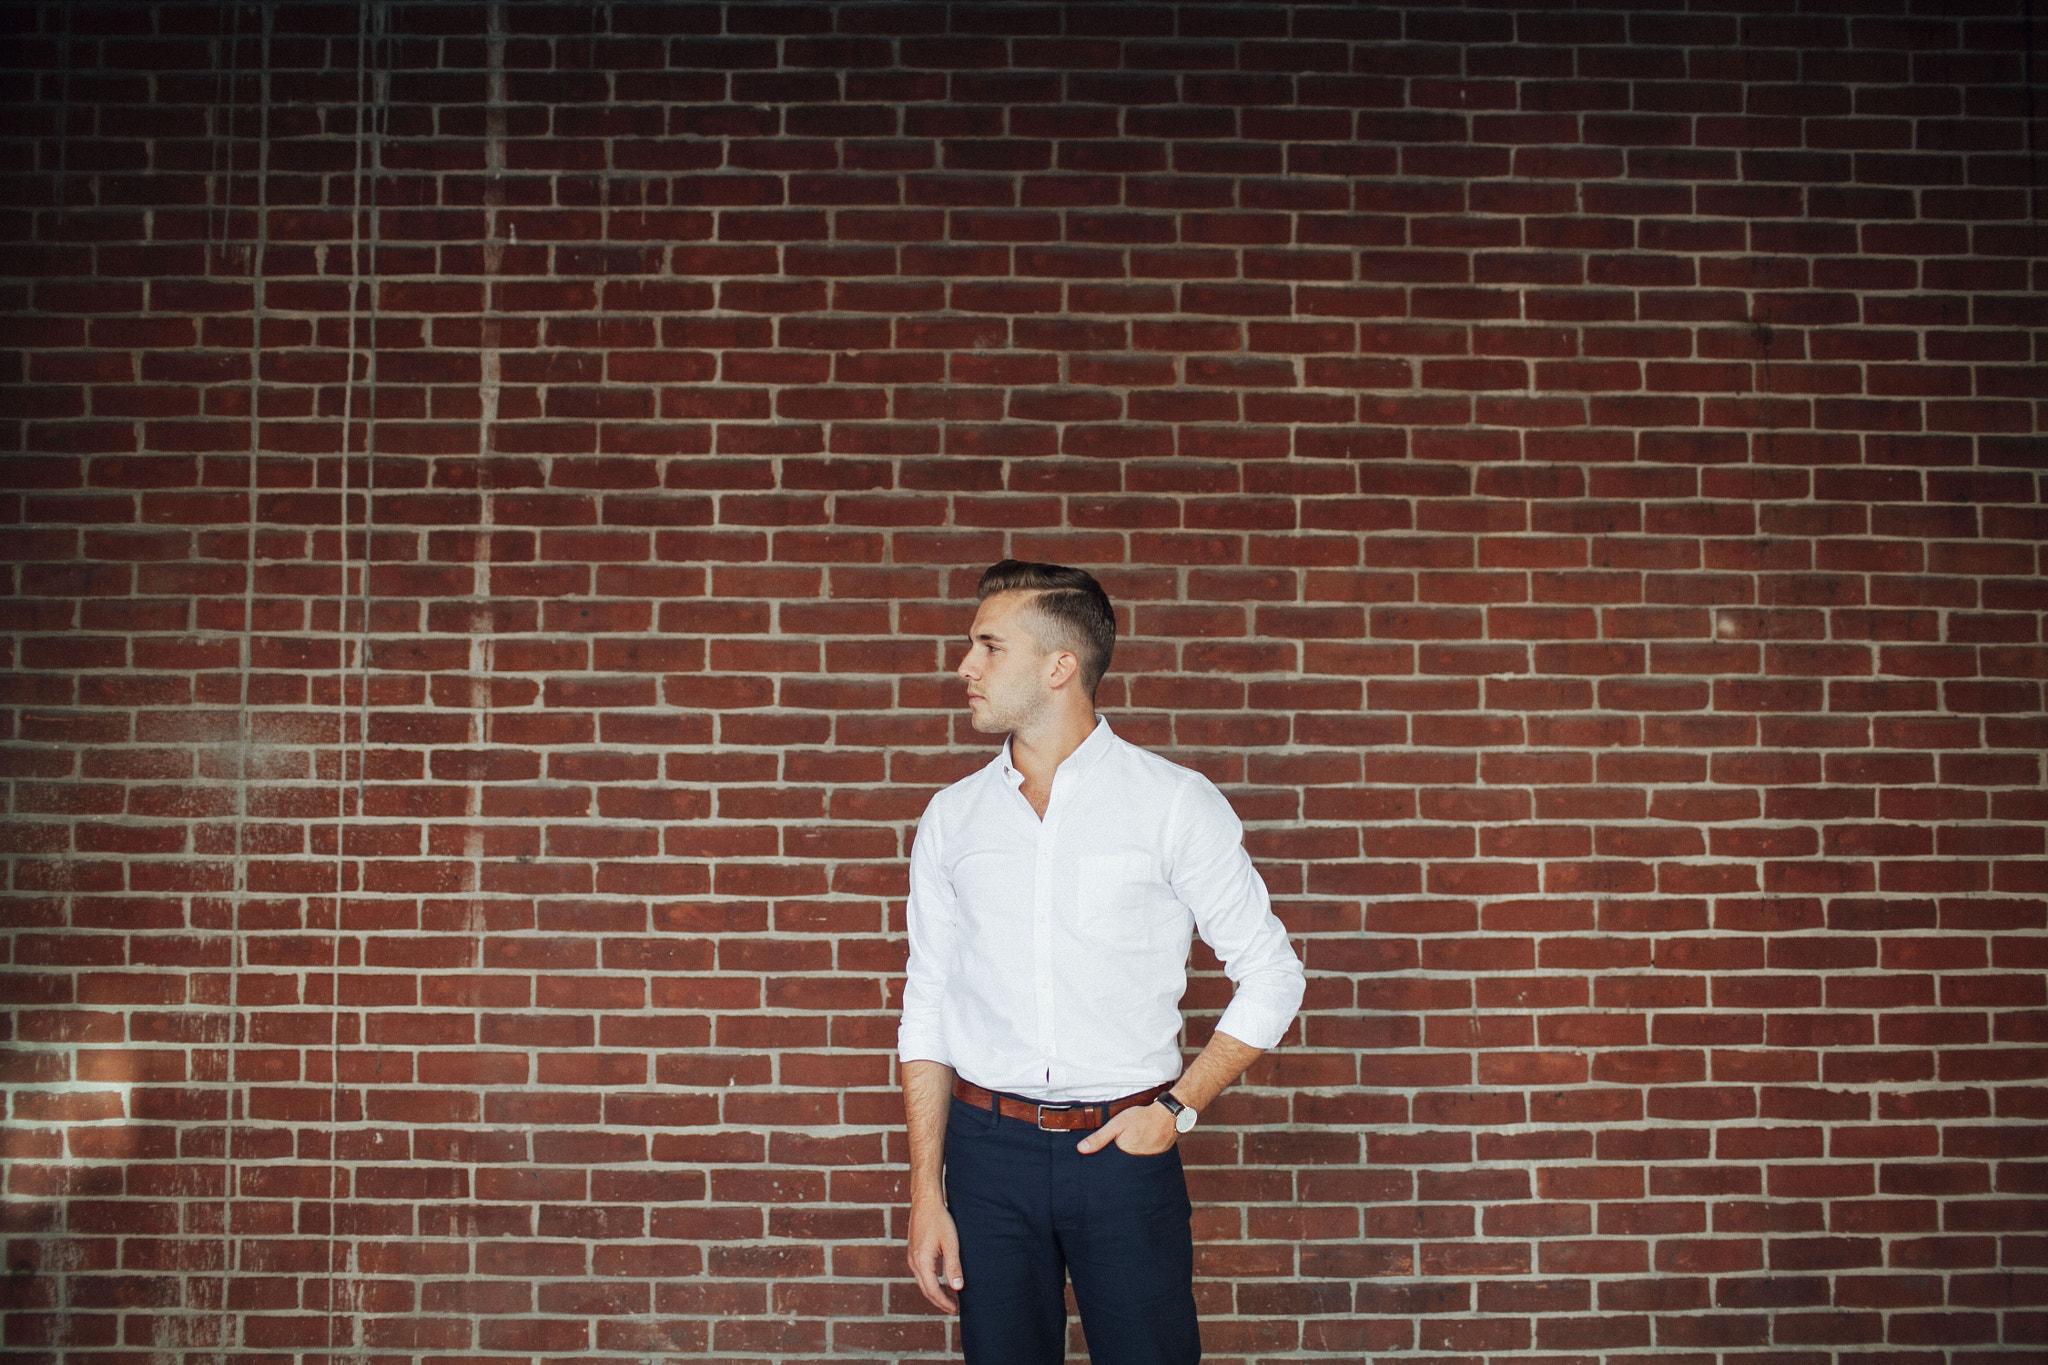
[965,672]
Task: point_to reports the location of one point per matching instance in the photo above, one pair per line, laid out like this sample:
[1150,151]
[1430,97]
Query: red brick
[1647,766]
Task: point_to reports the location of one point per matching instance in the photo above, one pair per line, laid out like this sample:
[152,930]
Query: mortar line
[244,728]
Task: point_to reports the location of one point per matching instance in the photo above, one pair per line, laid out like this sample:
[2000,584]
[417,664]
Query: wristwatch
[1183,1117]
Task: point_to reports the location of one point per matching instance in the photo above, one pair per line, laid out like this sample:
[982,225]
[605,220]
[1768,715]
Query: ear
[1065,668]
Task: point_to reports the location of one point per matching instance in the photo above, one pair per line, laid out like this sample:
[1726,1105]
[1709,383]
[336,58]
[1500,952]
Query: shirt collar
[1076,764]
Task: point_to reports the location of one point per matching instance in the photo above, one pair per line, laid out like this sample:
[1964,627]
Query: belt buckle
[1045,1109]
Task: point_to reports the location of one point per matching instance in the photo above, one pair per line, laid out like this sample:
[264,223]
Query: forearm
[1219,1064]
[934,1245]
[927,1095]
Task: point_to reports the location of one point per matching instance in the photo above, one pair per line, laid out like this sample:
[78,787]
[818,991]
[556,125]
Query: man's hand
[935,1253]
[1142,1131]
[1150,1129]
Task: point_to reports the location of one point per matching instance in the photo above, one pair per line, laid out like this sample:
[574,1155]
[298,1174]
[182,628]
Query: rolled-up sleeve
[921,1034]
[1214,877]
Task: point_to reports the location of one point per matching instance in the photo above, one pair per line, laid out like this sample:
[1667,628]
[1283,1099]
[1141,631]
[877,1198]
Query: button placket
[1041,930]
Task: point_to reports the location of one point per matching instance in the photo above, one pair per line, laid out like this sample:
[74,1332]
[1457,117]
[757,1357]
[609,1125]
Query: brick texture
[491,491]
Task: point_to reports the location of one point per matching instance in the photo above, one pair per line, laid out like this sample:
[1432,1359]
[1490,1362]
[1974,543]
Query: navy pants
[1031,1210]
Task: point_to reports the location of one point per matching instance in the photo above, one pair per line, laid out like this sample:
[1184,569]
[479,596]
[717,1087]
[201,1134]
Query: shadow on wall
[116,1143]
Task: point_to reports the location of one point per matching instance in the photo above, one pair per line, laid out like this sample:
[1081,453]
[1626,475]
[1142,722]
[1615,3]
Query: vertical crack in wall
[229,1028]
[372,94]
[483,624]
[489,386]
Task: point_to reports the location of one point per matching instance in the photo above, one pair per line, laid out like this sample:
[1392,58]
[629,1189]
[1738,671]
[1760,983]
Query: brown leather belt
[1070,1118]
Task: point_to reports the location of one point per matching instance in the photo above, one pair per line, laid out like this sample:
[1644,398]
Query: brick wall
[1570,475]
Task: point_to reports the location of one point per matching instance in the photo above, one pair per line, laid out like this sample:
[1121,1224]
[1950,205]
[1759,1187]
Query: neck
[1039,751]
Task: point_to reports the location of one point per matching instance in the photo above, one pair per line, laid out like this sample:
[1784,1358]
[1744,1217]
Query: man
[1052,898]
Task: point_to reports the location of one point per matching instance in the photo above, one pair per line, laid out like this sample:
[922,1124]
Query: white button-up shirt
[1048,957]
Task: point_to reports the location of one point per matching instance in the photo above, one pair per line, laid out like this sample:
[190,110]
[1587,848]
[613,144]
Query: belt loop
[995,1110]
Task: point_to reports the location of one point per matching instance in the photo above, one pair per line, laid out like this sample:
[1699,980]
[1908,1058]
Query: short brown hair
[1069,607]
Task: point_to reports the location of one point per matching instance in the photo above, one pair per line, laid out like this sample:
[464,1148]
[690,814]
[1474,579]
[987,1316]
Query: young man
[1052,896]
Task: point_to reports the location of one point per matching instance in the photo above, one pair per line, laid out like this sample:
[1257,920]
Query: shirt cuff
[1255,1023]
[920,1045]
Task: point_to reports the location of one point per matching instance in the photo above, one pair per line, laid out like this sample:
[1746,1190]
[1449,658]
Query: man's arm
[927,1069]
[1215,879]
[934,1242]
[1149,1128]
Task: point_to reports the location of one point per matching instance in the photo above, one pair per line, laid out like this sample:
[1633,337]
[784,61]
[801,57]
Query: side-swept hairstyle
[1068,609]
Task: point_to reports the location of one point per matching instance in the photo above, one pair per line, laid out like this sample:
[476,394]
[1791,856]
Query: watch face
[1184,1120]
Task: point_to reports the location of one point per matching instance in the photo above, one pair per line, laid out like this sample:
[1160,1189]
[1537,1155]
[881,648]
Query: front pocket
[1116,900]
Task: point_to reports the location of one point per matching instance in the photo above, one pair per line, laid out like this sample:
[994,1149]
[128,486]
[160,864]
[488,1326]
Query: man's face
[1005,668]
